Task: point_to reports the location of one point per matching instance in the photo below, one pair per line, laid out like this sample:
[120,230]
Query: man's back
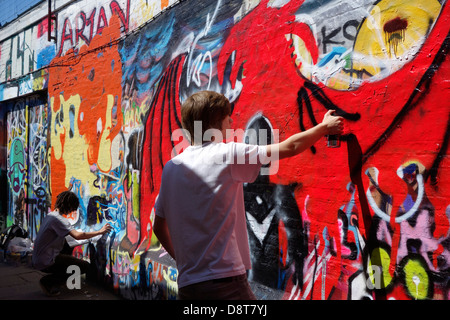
[50,239]
[207,220]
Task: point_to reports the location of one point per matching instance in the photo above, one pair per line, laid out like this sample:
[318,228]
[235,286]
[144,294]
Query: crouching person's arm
[81,235]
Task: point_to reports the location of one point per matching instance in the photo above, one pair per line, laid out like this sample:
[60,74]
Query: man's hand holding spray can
[334,140]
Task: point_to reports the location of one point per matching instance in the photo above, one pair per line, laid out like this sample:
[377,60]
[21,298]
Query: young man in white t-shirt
[48,255]
[199,212]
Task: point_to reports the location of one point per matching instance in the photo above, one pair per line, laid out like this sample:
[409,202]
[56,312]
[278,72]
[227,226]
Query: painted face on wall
[16,170]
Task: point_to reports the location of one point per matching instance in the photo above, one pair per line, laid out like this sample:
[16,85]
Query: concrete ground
[18,281]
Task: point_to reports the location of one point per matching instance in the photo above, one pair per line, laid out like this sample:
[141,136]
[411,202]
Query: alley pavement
[19,281]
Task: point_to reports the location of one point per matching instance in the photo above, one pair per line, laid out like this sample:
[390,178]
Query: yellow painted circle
[393,31]
[416,279]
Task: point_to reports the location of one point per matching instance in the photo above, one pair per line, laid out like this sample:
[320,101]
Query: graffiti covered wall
[27,165]
[367,220]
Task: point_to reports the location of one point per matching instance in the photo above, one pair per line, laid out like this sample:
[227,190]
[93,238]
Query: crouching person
[48,255]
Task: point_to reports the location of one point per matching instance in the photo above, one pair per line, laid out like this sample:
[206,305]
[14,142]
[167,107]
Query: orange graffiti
[164,4]
[93,73]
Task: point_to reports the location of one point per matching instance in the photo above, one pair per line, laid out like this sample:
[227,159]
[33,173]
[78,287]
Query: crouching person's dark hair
[66,202]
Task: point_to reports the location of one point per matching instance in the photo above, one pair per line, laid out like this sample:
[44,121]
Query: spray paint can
[333,141]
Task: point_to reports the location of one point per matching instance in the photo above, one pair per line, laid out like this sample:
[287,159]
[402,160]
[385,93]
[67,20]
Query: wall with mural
[367,220]
[28,170]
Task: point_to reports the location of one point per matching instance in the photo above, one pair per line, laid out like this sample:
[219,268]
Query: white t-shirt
[201,197]
[50,240]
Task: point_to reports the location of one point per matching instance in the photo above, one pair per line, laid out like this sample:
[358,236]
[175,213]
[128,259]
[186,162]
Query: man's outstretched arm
[301,141]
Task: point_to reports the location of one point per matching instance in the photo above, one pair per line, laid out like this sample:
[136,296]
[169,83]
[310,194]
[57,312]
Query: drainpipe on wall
[51,18]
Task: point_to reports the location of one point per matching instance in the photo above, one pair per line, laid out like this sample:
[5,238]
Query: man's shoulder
[56,216]
[52,215]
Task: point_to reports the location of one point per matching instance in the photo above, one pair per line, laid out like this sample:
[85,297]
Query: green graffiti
[16,169]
